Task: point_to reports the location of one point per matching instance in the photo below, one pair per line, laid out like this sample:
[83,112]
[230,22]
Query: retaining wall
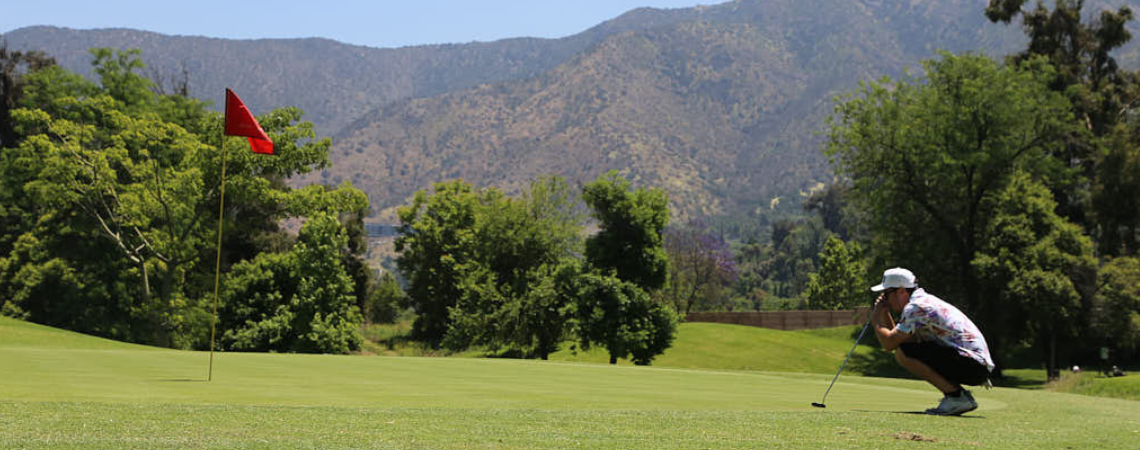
[785,320]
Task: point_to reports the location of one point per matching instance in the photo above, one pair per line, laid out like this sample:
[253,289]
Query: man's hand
[881,313]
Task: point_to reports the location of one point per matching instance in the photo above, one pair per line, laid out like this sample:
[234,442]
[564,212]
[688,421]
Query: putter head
[818,405]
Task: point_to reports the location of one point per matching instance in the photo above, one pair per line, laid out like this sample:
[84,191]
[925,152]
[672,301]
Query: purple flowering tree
[701,268]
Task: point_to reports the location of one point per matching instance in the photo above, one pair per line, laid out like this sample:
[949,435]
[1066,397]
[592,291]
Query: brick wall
[785,320]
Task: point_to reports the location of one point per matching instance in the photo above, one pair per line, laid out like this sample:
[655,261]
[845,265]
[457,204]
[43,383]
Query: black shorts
[947,362]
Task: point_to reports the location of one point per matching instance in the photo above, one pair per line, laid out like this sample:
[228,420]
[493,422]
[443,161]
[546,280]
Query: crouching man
[933,340]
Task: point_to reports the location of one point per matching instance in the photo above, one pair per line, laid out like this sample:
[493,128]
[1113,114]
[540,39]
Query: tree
[1116,311]
[1035,263]
[925,158]
[621,317]
[840,282]
[626,258]
[496,258]
[549,308]
[299,301]
[326,318]
[437,238]
[629,240]
[1103,98]
[13,66]
[115,193]
[363,282]
[530,323]
[120,174]
[794,256]
[752,263]
[701,267]
[1116,193]
[515,298]
[385,300]
[831,205]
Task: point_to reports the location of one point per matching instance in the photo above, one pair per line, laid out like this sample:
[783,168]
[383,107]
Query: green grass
[697,346]
[64,390]
[1090,383]
[738,347]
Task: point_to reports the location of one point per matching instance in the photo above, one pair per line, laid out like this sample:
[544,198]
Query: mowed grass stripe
[129,374]
[276,379]
[1083,422]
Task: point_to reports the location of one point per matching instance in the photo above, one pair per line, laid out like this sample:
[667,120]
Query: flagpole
[243,124]
[218,263]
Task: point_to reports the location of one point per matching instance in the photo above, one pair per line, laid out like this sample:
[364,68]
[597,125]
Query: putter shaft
[821,402]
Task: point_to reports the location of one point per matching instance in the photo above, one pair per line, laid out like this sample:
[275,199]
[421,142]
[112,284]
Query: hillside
[333,82]
[721,105]
[720,109]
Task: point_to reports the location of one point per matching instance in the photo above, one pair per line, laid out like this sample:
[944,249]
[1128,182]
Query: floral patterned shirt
[930,318]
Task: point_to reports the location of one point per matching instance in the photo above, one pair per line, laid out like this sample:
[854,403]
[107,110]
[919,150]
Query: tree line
[108,216]
[516,275]
[1011,188]
[107,226]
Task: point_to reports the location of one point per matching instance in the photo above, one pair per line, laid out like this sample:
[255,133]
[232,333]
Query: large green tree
[505,274]
[481,265]
[619,316]
[1103,97]
[297,301]
[1116,310]
[115,192]
[1037,267]
[626,260]
[437,239]
[629,240]
[925,157]
[513,299]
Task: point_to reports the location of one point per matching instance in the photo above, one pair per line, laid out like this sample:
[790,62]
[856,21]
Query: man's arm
[889,336]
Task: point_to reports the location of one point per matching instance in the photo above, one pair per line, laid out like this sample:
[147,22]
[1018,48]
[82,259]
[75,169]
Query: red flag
[240,122]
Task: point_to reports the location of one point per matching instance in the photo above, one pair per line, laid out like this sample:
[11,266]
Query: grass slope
[63,390]
[738,347]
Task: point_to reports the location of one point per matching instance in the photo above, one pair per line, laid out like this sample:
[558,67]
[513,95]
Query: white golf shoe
[955,405]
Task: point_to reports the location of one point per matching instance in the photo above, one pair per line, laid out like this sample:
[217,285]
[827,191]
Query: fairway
[64,390]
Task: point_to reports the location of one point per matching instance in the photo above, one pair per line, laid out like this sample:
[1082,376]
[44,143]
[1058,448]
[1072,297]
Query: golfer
[933,340]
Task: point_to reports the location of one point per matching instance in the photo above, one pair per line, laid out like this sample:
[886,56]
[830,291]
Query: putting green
[63,391]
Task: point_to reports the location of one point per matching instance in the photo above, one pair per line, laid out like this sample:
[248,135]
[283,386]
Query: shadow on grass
[877,363]
[1014,381]
[919,413]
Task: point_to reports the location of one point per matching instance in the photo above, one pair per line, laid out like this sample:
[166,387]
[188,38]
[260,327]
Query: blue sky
[379,23]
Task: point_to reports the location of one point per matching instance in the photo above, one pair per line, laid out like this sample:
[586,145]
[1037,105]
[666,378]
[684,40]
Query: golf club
[821,402]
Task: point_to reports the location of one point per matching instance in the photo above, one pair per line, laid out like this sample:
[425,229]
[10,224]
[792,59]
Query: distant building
[378,230]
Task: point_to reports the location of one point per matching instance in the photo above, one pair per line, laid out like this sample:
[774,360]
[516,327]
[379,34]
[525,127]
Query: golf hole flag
[240,122]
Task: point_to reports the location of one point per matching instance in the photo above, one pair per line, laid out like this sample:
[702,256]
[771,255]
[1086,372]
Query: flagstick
[218,265]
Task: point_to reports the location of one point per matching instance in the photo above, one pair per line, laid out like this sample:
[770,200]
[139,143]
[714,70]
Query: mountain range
[723,106]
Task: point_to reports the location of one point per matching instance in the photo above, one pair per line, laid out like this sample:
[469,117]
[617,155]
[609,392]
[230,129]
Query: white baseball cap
[895,278]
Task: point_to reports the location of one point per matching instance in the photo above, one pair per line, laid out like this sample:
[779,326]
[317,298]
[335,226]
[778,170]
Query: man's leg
[925,372]
[937,365]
